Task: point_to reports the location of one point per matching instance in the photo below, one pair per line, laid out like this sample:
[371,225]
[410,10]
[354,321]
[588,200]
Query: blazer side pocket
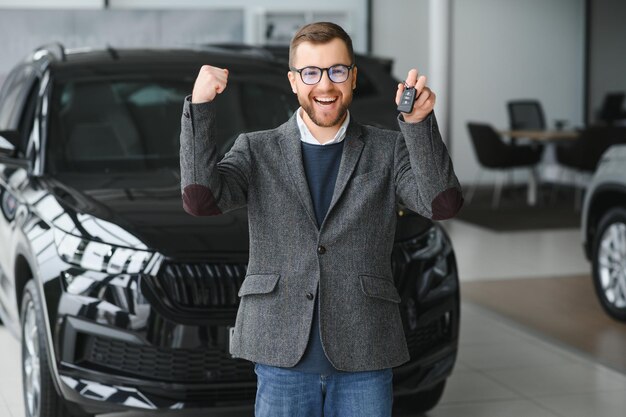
[379,287]
[258,284]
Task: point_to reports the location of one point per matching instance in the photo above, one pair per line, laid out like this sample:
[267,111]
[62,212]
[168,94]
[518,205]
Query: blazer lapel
[350,156]
[292,154]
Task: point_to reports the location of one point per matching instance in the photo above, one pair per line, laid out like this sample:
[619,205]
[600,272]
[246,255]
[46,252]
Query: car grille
[239,394]
[199,285]
[424,338]
[166,364]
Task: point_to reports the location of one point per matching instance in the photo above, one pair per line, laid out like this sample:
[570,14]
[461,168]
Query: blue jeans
[282,392]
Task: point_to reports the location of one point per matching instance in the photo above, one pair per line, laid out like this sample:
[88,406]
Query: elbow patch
[447,204]
[198,200]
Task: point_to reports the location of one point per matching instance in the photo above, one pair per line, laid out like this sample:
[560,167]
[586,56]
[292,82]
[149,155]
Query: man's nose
[325,81]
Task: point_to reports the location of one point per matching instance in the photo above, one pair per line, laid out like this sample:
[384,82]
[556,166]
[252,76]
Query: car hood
[142,211]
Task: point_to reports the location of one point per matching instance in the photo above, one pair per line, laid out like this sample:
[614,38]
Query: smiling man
[319,310]
[325,100]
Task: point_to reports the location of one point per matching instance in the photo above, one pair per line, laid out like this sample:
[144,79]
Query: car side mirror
[9,140]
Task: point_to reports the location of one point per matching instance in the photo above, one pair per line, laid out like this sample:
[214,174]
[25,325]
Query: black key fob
[407,100]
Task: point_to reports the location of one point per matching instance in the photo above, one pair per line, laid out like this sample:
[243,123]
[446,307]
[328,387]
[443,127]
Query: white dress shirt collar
[306,136]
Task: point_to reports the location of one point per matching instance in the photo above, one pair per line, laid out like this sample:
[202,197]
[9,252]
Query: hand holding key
[210,82]
[414,99]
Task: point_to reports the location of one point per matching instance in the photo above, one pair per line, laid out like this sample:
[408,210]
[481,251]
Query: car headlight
[102,257]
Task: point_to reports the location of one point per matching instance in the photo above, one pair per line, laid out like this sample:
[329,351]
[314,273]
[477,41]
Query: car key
[407,100]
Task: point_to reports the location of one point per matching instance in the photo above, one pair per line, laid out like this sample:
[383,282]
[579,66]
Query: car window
[134,125]
[27,120]
[365,87]
[261,107]
[265,106]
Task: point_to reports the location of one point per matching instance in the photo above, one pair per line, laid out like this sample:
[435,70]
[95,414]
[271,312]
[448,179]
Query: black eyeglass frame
[299,71]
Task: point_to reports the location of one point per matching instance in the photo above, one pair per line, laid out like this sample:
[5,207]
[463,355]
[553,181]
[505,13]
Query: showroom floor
[505,368]
[483,254]
[564,309]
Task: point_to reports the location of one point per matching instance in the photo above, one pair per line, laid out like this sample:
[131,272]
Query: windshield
[134,125]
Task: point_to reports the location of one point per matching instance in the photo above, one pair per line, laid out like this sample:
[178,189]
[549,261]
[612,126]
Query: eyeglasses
[312,75]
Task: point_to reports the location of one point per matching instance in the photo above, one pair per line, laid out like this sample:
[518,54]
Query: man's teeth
[325,100]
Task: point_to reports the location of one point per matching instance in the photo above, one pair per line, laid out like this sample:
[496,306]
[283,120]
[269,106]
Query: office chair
[493,153]
[526,115]
[612,109]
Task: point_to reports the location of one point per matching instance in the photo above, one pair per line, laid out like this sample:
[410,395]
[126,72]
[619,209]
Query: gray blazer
[348,256]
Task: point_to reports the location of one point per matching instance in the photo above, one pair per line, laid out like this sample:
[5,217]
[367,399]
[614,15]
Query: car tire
[422,401]
[40,396]
[609,262]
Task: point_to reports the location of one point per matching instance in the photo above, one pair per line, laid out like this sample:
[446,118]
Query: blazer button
[321,250]
[309,295]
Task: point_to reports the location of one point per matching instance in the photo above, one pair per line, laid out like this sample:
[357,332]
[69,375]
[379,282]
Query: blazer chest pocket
[379,287]
[377,173]
[258,284]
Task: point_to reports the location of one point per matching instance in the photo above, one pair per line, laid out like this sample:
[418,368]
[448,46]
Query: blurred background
[478,54]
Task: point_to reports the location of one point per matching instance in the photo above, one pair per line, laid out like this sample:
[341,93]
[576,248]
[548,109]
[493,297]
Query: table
[544,136]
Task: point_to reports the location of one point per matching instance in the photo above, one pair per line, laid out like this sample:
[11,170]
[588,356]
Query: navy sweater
[321,165]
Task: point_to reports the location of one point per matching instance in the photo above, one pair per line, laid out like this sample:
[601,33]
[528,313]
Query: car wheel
[40,396]
[422,401]
[609,263]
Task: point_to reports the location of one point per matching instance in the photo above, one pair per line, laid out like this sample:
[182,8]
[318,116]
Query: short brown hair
[319,32]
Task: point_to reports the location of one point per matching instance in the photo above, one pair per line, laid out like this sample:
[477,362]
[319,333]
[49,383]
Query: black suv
[120,298]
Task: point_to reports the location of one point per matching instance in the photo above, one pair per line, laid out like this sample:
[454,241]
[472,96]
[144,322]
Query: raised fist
[211,81]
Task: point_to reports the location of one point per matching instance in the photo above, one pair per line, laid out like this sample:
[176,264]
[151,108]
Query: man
[319,311]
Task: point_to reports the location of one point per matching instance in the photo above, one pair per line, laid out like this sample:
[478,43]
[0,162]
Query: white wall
[607,72]
[511,49]
[416,34]
[400,31]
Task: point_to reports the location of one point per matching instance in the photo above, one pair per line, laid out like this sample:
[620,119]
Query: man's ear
[354,71]
[292,81]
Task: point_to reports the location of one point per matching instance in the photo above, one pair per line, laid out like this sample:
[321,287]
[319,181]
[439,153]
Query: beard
[308,107]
